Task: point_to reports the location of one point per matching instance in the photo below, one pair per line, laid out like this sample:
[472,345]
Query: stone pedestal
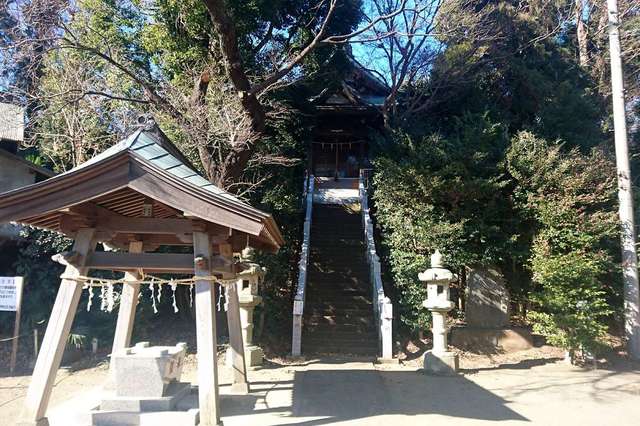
[146,371]
[444,363]
[439,360]
[147,389]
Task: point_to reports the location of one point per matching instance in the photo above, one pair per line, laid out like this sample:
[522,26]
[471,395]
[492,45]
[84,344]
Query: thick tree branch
[286,69]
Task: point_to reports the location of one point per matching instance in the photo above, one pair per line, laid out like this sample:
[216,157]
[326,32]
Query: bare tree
[403,47]
[242,115]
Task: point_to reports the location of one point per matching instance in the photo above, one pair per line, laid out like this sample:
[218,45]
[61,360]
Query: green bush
[441,193]
[569,198]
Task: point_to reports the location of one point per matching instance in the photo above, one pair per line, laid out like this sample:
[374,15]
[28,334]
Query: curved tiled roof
[145,165]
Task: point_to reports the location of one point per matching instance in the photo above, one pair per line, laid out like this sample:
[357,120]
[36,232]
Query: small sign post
[11,300]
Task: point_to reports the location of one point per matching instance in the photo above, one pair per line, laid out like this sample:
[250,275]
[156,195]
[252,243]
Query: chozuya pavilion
[138,195]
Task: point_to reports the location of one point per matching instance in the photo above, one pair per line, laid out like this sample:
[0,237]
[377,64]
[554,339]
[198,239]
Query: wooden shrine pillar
[240,384]
[206,335]
[128,303]
[55,338]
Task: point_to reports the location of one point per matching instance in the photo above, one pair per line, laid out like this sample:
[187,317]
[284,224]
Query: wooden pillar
[55,338]
[206,333]
[128,303]
[240,384]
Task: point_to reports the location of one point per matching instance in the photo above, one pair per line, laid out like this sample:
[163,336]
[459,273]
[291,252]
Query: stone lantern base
[253,356]
[443,363]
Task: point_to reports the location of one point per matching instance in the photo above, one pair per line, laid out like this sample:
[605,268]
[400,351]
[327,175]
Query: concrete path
[355,393]
[348,392]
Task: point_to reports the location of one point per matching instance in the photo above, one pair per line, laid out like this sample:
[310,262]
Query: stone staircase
[338,314]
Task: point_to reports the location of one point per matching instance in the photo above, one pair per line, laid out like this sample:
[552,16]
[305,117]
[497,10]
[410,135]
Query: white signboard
[10,293]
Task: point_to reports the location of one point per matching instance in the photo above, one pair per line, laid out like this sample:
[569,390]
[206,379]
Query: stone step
[334,321]
[329,234]
[331,307]
[320,215]
[339,316]
[319,299]
[339,271]
[342,261]
[348,270]
[327,231]
[338,286]
[154,418]
[337,281]
[343,336]
[351,315]
[328,266]
[322,346]
[337,251]
[329,217]
[336,303]
[362,311]
[362,296]
[325,293]
[343,283]
[313,329]
[337,277]
[338,239]
[329,292]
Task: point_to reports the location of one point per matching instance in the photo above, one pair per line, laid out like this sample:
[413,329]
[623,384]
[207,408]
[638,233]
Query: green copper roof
[159,151]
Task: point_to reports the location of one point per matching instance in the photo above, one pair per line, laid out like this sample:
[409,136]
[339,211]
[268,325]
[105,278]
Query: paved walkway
[359,393]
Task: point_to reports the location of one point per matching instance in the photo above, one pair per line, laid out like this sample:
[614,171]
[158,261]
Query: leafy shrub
[441,193]
[570,198]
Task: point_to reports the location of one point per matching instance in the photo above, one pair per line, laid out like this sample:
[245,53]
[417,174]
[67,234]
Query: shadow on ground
[330,396]
[521,365]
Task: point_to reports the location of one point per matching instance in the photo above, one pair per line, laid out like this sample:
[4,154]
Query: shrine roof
[144,168]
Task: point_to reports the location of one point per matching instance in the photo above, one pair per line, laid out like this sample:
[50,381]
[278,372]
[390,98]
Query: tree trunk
[237,160]
[581,30]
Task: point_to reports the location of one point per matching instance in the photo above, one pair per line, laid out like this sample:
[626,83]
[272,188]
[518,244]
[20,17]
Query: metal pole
[625,196]
[19,283]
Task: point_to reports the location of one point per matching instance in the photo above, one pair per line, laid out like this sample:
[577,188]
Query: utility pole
[625,195]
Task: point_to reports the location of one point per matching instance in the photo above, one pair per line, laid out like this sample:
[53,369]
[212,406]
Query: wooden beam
[143,225]
[55,338]
[206,336]
[88,209]
[167,262]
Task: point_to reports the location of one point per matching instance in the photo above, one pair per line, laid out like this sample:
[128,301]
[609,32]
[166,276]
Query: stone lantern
[439,360]
[247,287]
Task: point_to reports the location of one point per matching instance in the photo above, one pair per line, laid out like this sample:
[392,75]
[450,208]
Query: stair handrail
[298,300]
[382,307]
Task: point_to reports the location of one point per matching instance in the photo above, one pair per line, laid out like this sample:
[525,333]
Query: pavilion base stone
[176,391]
[42,422]
[156,418]
[442,364]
